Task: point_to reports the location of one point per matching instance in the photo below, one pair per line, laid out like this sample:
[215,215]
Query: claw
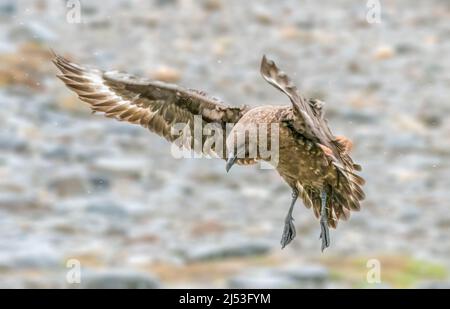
[289,228]
[288,233]
[230,162]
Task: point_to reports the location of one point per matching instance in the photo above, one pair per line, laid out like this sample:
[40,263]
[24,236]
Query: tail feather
[344,196]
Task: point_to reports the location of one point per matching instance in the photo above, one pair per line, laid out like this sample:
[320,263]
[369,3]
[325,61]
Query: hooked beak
[230,162]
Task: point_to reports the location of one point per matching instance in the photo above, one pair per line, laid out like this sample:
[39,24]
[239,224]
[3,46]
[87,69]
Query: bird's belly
[302,161]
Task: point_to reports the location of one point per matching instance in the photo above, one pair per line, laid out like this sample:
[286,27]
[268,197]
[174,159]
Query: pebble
[33,257]
[15,144]
[434,285]
[307,274]
[263,15]
[219,251]
[260,281]
[17,202]
[119,279]
[33,31]
[384,52]
[106,207]
[69,183]
[121,167]
[167,74]
[312,276]
[8,7]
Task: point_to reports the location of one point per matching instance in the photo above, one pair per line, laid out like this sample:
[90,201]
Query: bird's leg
[325,233]
[289,228]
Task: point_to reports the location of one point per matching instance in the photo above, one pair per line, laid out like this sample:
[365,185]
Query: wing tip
[64,65]
[266,66]
[264,60]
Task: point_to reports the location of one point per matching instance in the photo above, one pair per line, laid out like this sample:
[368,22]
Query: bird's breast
[301,160]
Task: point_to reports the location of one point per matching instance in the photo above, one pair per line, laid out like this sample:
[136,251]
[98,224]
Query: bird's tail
[343,196]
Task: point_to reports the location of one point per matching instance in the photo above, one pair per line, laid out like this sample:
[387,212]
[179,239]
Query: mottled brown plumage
[315,163]
[311,157]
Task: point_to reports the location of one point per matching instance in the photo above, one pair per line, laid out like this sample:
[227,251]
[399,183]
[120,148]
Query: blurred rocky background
[78,187]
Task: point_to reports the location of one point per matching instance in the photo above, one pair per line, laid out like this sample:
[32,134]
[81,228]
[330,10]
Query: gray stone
[33,31]
[106,207]
[37,261]
[37,258]
[314,274]
[405,142]
[410,214]
[100,183]
[432,119]
[56,152]
[245,282]
[14,201]
[305,276]
[9,143]
[434,285]
[8,7]
[89,9]
[123,166]
[406,48]
[119,279]
[69,183]
[220,251]
[12,283]
[358,116]
[261,279]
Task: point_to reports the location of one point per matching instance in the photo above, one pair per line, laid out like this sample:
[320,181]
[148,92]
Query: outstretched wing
[308,121]
[154,105]
[308,115]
